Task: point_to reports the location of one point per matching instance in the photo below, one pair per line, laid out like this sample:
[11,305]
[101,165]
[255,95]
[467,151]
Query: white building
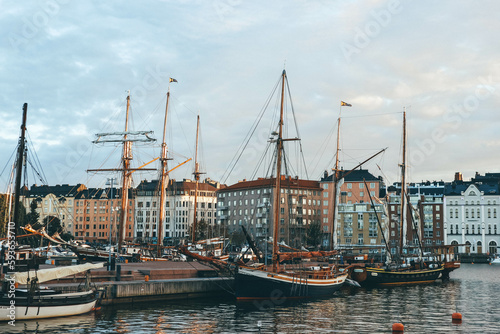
[179,210]
[471,216]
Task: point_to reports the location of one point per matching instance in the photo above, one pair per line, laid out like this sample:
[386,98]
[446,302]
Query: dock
[151,281]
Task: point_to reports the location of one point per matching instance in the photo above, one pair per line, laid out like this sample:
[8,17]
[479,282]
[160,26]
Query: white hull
[34,312]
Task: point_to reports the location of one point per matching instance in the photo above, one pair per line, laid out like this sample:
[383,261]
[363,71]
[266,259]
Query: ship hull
[47,306]
[383,277]
[252,284]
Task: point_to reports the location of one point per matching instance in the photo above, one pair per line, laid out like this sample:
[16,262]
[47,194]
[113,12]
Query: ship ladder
[299,286]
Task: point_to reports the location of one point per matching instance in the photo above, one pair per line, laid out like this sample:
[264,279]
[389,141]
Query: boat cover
[45,275]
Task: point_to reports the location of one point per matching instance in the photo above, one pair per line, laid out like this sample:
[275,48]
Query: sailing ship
[405,269]
[33,302]
[265,282]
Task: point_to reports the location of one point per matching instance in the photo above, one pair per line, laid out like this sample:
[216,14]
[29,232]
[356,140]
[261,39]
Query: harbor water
[473,290]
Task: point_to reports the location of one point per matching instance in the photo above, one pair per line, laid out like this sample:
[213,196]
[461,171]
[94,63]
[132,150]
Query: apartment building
[250,204]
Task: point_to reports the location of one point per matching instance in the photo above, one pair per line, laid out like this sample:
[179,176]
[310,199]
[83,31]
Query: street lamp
[110,182]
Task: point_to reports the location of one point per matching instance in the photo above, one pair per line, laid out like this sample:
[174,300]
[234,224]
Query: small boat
[35,302]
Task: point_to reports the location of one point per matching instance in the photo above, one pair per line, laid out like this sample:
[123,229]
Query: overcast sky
[74,61]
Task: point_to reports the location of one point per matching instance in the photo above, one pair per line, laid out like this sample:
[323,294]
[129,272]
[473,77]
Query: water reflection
[473,291]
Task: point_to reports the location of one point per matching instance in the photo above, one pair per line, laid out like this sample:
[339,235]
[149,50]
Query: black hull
[383,277]
[252,287]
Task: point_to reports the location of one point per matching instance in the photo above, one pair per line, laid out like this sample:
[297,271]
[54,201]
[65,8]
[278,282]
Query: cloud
[74,63]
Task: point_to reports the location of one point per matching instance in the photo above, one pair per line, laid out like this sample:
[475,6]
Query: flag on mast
[173,80]
[345,104]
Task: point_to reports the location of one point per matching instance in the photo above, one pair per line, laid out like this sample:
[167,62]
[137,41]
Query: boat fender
[398,328]
[456,318]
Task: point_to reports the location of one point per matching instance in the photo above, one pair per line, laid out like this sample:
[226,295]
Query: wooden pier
[151,281]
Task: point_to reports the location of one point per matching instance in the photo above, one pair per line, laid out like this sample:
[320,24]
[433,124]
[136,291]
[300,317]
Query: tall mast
[277,196]
[19,168]
[196,179]
[126,177]
[402,226]
[126,138]
[163,179]
[335,185]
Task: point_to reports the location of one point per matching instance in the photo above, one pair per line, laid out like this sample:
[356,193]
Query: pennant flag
[173,80]
[344,104]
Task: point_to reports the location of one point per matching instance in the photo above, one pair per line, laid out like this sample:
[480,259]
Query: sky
[74,63]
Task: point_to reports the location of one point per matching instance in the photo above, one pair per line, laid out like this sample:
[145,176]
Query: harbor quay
[150,281]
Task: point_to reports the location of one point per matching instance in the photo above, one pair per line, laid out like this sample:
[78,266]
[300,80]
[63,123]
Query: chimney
[458,176]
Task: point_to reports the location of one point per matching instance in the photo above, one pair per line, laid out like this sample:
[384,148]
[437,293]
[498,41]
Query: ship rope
[226,287]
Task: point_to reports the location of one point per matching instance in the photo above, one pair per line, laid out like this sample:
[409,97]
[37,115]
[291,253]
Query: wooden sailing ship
[265,282]
[403,269]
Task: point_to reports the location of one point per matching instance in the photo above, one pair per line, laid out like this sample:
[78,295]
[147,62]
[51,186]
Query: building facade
[179,210]
[356,223]
[251,203]
[471,211]
[424,216]
[97,215]
[55,201]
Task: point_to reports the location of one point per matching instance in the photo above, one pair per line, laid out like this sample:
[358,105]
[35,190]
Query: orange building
[95,210]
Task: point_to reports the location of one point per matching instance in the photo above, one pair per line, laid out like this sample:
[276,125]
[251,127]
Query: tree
[314,234]
[33,216]
[201,230]
[52,225]
[66,236]
[237,238]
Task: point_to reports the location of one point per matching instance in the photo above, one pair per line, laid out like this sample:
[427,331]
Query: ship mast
[277,196]
[126,137]
[163,179]
[126,179]
[196,174]
[19,168]
[402,226]
[335,185]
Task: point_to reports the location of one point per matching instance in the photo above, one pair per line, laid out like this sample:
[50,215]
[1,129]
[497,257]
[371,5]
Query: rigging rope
[246,140]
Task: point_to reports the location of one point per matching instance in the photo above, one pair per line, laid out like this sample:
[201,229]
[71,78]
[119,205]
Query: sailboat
[277,281]
[33,302]
[404,270]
